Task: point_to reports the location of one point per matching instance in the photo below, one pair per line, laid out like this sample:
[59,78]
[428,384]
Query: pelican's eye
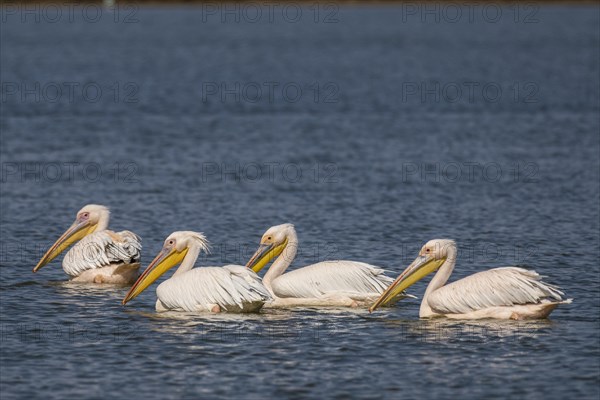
[85,215]
[427,250]
[171,242]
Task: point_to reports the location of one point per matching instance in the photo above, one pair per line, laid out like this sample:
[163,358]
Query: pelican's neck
[439,280]
[283,261]
[189,260]
[103,222]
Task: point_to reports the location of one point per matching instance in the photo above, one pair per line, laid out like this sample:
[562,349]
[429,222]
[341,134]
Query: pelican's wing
[496,287]
[354,279]
[102,249]
[229,287]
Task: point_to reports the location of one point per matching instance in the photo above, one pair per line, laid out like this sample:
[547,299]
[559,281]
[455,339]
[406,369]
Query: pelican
[501,293]
[328,283]
[232,288]
[100,255]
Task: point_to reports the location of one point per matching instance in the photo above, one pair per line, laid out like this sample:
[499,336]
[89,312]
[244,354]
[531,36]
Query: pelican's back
[317,280]
[233,288]
[498,287]
[102,249]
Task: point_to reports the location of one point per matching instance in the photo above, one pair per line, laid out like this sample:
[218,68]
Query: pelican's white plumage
[498,287]
[102,249]
[328,283]
[503,293]
[352,279]
[98,255]
[231,288]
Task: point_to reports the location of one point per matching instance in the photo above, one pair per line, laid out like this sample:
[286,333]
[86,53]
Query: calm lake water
[372,129]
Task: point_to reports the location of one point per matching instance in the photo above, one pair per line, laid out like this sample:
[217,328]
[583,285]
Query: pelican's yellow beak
[77,231]
[265,253]
[417,270]
[165,260]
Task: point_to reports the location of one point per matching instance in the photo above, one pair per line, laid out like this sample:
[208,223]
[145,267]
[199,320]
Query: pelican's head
[89,219]
[174,250]
[431,257]
[272,243]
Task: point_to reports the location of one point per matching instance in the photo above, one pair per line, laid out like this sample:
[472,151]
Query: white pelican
[100,255]
[328,283]
[231,288]
[502,293]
